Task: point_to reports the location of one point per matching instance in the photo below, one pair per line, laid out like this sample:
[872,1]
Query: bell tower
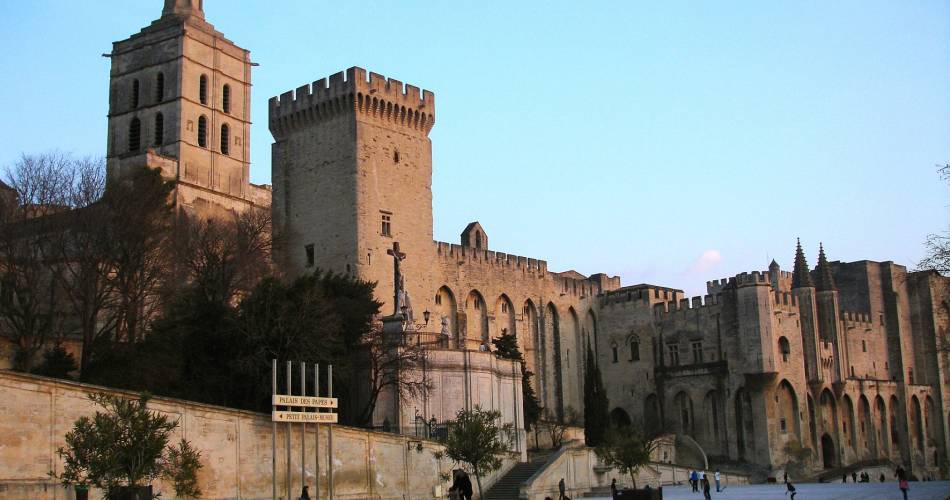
[179,100]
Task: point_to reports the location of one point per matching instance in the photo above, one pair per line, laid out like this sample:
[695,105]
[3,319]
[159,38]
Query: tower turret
[828,320]
[804,291]
[800,275]
[823,272]
[184,8]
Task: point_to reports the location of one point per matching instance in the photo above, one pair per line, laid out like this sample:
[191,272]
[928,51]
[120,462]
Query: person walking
[613,488]
[694,480]
[854,477]
[902,481]
[562,490]
[706,493]
[882,477]
[790,488]
[785,477]
[717,480]
[305,494]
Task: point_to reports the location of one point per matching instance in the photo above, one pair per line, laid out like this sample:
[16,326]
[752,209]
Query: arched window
[159,129]
[202,131]
[135,135]
[784,348]
[160,87]
[614,351]
[225,137]
[226,98]
[135,93]
[634,348]
[203,89]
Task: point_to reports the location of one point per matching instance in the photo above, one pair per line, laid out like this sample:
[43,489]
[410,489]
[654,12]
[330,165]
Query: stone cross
[398,284]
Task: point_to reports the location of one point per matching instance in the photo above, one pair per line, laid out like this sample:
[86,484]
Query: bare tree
[392,366]
[137,216]
[80,254]
[28,302]
[223,258]
[937,256]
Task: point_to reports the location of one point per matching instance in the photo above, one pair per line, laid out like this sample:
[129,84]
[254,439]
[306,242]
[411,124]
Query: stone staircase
[508,487]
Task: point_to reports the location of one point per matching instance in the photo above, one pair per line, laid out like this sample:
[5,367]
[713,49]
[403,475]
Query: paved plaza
[931,490]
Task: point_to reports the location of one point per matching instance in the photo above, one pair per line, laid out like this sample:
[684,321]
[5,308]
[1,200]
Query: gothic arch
[447,308]
[894,424]
[476,318]
[880,426]
[552,354]
[504,313]
[849,434]
[684,418]
[651,415]
[917,426]
[713,419]
[574,357]
[931,425]
[867,434]
[619,417]
[787,401]
[590,329]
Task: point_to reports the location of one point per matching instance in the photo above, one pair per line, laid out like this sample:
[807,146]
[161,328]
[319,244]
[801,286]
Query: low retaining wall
[583,472]
[235,448]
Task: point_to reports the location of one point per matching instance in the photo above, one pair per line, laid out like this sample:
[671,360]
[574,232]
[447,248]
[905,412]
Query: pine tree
[596,418]
[506,347]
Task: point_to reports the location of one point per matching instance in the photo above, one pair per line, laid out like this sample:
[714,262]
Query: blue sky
[666,142]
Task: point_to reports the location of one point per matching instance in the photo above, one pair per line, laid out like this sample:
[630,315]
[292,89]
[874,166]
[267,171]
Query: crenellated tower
[352,173]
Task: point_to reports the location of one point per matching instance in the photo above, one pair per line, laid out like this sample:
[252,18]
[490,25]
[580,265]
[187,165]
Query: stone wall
[235,447]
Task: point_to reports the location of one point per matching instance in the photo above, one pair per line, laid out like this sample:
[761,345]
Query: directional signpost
[303,409]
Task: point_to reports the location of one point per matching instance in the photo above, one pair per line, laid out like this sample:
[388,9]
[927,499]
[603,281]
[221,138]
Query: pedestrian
[305,494]
[902,484]
[462,486]
[882,477]
[844,478]
[562,490]
[854,477]
[717,480]
[706,493]
[694,480]
[790,488]
[785,477]
[613,488]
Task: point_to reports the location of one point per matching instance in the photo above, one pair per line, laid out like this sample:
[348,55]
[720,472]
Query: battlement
[480,256]
[687,307]
[856,320]
[370,94]
[460,255]
[784,299]
[755,278]
[640,293]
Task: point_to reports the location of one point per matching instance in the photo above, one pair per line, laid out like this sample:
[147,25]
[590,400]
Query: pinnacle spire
[801,278]
[184,8]
[823,271]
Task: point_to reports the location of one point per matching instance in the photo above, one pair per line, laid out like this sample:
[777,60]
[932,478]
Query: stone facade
[180,101]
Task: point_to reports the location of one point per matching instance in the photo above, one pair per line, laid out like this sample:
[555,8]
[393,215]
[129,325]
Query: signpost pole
[316,444]
[303,428]
[330,439]
[273,431]
[290,374]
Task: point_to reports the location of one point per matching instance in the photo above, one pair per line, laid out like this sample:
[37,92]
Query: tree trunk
[478,481]
[633,478]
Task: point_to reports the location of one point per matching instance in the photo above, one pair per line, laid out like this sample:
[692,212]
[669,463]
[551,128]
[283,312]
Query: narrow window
[160,87]
[784,348]
[226,98]
[864,346]
[202,131]
[203,89]
[135,93]
[504,307]
[697,352]
[782,425]
[135,135]
[674,351]
[396,156]
[438,299]
[910,375]
[613,348]
[852,371]
[225,138]
[634,349]
[159,129]
[387,224]
[309,250]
